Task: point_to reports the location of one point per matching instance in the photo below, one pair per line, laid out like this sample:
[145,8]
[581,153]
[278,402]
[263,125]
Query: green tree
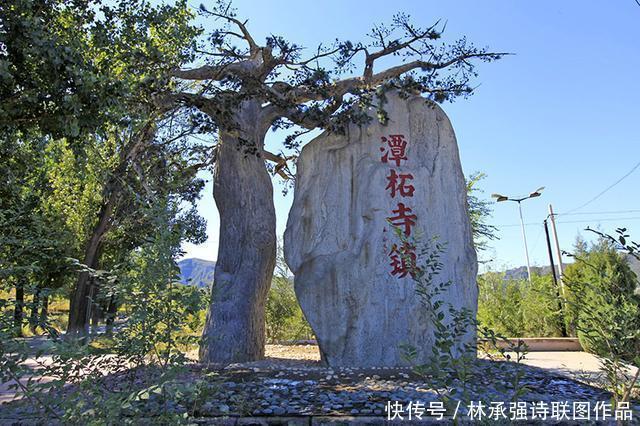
[602,300]
[87,71]
[31,239]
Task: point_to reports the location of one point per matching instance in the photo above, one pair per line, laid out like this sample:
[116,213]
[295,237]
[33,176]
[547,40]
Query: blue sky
[562,112]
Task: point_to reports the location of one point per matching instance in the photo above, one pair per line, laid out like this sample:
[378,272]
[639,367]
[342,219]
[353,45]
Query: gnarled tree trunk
[82,297]
[235,327]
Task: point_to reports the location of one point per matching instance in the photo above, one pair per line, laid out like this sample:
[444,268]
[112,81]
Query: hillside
[521,272]
[197,272]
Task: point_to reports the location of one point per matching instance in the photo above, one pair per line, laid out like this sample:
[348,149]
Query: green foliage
[163,318]
[67,67]
[602,302]
[479,212]
[604,307]
[162,321]
[284,318]
[517,308]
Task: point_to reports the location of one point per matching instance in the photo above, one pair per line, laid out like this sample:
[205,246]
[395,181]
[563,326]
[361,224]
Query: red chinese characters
[398,184]
[395,149]
[403,260]
[402,256]
[403,219]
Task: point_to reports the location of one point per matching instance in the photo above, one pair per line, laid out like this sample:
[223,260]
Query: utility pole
[557,244]
[551,261]
[555,280]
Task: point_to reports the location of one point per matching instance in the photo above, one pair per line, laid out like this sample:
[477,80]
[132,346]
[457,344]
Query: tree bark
[44,311]
[33,320]
[79,308]
[243,192]
[95,307]
[18,310]
[112,310]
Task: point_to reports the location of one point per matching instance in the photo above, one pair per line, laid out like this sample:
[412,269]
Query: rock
[349,277]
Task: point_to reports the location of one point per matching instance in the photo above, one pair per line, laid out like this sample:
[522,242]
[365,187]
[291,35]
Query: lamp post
[499,198]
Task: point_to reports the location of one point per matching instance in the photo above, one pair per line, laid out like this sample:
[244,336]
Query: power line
[610,219]
[608,212]
[633,169]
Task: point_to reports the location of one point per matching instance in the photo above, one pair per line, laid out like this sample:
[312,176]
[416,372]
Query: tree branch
[394,47]
[281,163]
[246,35]
[342,87]
[215,72]
[305,120]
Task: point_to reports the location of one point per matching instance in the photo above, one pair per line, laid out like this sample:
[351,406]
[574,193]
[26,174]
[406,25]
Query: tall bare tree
[246,88]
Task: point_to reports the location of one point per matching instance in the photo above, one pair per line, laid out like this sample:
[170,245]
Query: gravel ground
[291,381]
[307,388]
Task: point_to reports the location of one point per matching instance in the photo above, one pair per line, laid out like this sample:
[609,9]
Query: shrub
[602,301]
[284,318]
[517,308]
[605,306]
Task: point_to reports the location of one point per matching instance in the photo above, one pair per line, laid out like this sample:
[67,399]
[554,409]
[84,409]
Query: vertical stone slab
[349,276]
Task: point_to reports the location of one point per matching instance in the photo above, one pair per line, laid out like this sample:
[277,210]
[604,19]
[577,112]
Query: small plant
[452,366]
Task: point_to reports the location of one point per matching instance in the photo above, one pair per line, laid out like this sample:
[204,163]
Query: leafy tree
[67,67]
[161,164]
[479,212]
[246,88]
[158,303]
[31,239]
[602,301]
[87,71]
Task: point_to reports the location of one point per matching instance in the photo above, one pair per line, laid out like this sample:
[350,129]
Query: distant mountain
[521,272]
[197,272]
[200,272]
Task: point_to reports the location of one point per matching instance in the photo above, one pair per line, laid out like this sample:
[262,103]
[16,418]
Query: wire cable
[588,213]
[609,219]
[633,169]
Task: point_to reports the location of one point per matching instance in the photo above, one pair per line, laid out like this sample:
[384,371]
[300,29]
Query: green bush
[284,318]
[602,303]
[517,308]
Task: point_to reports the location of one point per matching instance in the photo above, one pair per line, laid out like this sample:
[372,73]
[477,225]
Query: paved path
[581,366]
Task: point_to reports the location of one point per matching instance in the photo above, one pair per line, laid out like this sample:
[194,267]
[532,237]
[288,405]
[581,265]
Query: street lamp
[499,198]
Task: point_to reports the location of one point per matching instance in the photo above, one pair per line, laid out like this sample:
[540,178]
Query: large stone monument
[352,269]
